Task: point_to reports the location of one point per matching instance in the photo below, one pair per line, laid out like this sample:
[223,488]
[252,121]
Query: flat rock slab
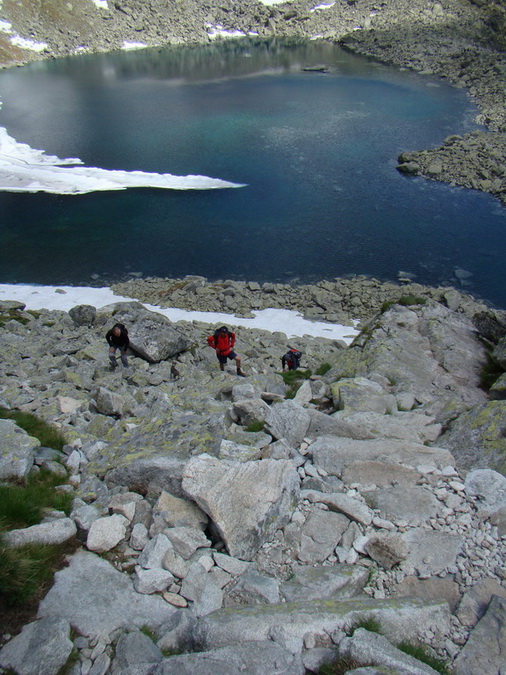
[412,504]
[430,552]
[318,583]
[253,658]
[400,618]
[96,599]
[334,454]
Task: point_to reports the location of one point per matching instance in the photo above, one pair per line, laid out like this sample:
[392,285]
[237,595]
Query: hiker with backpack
[117,338]
[223,341]
[291,359]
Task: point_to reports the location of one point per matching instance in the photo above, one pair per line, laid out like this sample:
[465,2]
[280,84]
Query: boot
[240,373]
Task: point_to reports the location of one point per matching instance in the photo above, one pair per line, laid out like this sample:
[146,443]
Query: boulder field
[228,525]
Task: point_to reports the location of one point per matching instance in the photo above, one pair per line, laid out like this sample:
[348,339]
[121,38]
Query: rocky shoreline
[459,41]
[341,300]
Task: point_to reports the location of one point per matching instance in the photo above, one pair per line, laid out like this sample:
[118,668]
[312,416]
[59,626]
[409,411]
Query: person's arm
[232,339]
[211,341]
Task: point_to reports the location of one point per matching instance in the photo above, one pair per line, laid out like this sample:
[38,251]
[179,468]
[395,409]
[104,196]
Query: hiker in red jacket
[223,342]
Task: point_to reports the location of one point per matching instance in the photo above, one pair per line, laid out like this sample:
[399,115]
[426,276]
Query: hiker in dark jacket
[291,359]
[223,341]
[117,338]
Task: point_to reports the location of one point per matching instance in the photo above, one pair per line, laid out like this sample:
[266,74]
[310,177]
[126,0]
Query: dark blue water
[317,151]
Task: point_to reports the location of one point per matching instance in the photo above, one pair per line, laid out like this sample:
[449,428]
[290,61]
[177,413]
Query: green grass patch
[21,505]
[255,426]
[48,436]
[405,301]
[26,570]
[323,369]
[370,624]
[340,666]
[422,654]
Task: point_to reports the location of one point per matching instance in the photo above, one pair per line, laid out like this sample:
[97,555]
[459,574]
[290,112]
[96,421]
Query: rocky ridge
[459,41]
[364,496]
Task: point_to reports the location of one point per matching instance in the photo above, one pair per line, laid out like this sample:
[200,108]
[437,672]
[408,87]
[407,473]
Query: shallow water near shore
[317,152]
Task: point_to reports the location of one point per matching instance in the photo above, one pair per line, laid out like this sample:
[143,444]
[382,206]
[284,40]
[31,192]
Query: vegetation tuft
[255,426]
[405,301]
[293,379]
[27,570]
[422,654]
[323,369]
[490,373]
[48,436]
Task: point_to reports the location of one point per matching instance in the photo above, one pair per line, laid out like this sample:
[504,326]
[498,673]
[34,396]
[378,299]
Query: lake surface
[317,152]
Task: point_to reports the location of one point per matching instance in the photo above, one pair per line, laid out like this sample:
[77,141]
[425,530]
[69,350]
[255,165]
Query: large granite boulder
[247,501]
[152,336]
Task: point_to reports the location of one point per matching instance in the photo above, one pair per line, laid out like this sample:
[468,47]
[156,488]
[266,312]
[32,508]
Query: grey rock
[154,580]
[401,619]
[379,473]
[372,649]
[430,589]
[499,352]
[179,512]
[176,634]
[252,658]
[83,315]
[320,534]
[476,601]
[251,588]
[387,549]
[153,554]
[247,501]
[488,487]
[97,599]
[430,552]
[155,338]
[50,533]
[476,438]
[352,508]
[415,505]
[315,583]
[199,587]
[484,652]
[249,410]
[109,402]
[135,650]
[334,454]
[106,533]
[42,648]
[186,540]
[288,420]
[17,451]
[361,394]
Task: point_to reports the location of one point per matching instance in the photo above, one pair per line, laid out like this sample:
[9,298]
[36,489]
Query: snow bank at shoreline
[273,320]
[24,169]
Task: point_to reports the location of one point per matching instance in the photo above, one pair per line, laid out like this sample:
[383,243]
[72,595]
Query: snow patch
[133,45]
[24,43]
[285,321]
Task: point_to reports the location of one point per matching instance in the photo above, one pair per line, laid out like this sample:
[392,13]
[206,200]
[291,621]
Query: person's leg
[124,359]
[112,357]
[238,366]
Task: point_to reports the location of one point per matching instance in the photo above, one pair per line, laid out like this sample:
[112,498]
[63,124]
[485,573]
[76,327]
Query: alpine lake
[315,147]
